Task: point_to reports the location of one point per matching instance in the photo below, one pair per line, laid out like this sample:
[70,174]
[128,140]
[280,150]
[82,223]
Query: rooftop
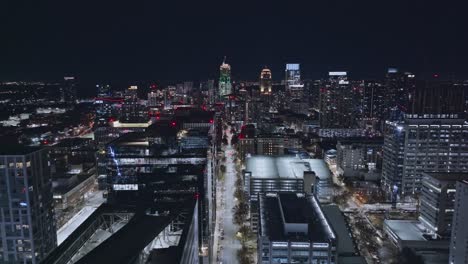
[17,149]
[293,217]
[336,218]
[447,176]
[409,230]
[291,167]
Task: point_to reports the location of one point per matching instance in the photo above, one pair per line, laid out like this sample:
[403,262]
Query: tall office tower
[312,90]
[438,97]
[68,90]
[26,205]
[294,85]
[337,102]
[459,239]
[372,99]
[132,111]
[435,135]
[225,85]
[265,81]
[153,98]
[438,202]
[103,90]
[293,75]
[211,92]
[398,93]
[422,145]
[393,158]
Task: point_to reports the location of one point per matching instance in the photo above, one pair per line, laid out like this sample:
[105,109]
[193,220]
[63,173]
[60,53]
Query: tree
[222,168]
[243,255]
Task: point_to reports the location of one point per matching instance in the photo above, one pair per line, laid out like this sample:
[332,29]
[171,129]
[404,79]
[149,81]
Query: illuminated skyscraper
[265,81]
[398,89]
[225,86]
[132,111]
[337,105]
[293,74]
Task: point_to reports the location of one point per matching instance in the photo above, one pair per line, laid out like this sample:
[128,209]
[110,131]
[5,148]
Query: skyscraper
[26,205]
[399,88]
[434,137]
[293,74]
[265,81]
[132,110]
[337,102]
[225,85]
[68,91]
[459,241]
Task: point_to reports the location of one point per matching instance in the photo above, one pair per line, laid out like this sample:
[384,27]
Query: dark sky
[167,40]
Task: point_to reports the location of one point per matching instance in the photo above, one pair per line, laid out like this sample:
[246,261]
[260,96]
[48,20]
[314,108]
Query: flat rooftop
[296,208]
[17,149]
[336,218]
[407,230]
[447,176]
[290,166]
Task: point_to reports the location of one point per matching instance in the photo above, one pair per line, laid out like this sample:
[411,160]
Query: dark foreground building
[163,233]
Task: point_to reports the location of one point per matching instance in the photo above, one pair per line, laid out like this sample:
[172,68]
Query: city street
[228,242]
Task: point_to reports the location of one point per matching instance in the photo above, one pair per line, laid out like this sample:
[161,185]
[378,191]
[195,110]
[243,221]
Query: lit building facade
[225,85]
[265,81]
[337,102]
[438,202]
[434,143]
[26,206]
[132,111]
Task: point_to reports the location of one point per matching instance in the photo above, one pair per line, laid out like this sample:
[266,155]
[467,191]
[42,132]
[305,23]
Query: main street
[229,244]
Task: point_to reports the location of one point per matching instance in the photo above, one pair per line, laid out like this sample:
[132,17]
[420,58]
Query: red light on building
[173,123]
[436,75]
[211,121]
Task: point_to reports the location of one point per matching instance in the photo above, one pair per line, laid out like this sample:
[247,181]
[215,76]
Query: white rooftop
[285,167]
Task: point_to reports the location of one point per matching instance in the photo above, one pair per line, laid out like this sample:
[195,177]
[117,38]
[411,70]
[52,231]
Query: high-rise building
[423,145]
[265,81]
[393,158]
[68,90]
[433,135]
[338,104]
[293,74]
[132,111]
[438,97]
[224,84]
[459,239]
[26,205]
[438,202]
[398,91]
[373,100]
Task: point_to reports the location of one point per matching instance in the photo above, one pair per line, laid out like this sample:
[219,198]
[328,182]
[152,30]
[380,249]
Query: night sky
[157,40]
